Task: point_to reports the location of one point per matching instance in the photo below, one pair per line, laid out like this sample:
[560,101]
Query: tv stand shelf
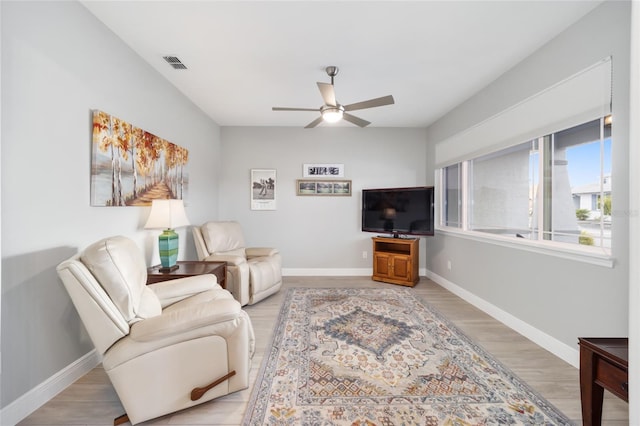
[395,260]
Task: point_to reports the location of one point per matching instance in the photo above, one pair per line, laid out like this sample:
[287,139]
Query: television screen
[398,211]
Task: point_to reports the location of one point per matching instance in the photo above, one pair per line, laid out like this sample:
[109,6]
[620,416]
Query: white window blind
[580,98]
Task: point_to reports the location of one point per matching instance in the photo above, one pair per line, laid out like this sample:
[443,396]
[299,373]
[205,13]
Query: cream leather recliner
[253,273]
[165,346]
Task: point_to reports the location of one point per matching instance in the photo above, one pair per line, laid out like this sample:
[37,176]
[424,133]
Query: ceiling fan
[332,111]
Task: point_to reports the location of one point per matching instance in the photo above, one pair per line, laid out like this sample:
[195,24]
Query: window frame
[578,252]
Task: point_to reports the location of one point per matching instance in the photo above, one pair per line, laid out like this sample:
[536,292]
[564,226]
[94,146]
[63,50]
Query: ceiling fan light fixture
[331,111]
[332,114]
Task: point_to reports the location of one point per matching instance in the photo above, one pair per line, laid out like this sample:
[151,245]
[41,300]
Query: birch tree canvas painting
[131,167]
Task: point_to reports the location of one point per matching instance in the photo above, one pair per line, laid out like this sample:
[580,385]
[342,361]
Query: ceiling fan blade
[294,109]
[314,123]
[371,103]
[355,120]
[328,94]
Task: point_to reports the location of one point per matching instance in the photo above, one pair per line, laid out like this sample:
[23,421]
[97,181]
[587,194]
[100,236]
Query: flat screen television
[398,211]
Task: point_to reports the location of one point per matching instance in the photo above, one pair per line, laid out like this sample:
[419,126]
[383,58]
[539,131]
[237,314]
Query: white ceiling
[245,57]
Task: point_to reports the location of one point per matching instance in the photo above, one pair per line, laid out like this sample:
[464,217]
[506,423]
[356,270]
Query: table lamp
[167,215]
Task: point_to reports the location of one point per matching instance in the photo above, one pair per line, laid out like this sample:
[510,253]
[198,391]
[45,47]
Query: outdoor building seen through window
[555,188]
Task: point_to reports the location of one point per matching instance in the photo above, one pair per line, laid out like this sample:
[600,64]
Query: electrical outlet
[448,264]
[364,254]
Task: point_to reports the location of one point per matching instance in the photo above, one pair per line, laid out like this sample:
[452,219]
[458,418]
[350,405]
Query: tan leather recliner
[165,346]
[253,273]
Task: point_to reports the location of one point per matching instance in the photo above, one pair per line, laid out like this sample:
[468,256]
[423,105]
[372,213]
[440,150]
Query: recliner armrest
[260,251]
[231,259]
[172,291]
[191,317]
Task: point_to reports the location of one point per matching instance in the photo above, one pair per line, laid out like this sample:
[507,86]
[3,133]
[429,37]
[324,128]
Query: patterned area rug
[382,357]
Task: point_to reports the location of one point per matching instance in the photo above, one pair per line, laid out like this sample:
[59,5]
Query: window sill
[594,256]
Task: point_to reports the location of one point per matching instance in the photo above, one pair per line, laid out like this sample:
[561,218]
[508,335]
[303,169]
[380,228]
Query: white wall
[316,234]
[562,299]
[59,63]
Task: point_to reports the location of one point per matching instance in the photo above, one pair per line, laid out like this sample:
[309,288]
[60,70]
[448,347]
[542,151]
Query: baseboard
[333,272]
[553,345]
[19,409]
[329,272]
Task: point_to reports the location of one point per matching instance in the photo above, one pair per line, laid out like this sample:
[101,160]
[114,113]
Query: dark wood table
[604,365]
[189,268]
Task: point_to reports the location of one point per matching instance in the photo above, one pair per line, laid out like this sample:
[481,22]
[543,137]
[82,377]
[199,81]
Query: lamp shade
[166,214]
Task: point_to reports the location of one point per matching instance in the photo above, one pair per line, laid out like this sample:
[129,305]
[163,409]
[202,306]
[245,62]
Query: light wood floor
[92,400]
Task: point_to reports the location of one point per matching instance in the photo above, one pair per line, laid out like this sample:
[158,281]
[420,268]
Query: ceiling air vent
[175,62]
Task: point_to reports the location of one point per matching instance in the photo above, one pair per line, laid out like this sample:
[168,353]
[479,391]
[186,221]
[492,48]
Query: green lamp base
[168,245]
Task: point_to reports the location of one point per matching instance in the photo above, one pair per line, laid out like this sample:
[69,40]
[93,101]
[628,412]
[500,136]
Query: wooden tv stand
[395,260]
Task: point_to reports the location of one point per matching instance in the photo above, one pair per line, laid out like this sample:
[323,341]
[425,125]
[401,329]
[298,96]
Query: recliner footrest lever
[121,419]
[197,393]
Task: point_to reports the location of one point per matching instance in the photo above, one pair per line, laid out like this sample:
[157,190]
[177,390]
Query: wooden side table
[189,268]
[604,364]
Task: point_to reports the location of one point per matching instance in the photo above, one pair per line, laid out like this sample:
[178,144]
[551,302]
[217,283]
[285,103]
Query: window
[555,188]
[500,191]
[453,196]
